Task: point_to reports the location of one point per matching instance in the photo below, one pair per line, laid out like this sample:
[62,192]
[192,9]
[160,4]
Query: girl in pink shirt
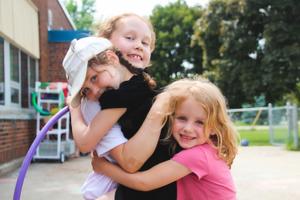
[200,126]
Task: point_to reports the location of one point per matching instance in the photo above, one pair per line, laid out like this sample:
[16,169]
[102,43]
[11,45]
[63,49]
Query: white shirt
[98,184]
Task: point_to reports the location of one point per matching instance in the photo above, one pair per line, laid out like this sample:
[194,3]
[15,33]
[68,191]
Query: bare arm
[130,156]
[87,137]
[156,177]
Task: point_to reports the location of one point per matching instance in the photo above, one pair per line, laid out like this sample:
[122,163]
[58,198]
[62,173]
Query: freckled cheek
[201,136]
[123,45]
[176,127]
[199,130]
[148,56]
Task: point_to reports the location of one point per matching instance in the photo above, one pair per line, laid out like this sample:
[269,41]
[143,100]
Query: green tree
[239,63]
[175,56]
[252,48]
[208,31]
[81,13]
[221,37]
[281,59]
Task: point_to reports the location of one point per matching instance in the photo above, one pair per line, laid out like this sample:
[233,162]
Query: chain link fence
[280,123]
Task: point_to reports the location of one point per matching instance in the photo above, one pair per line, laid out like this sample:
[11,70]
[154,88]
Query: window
[14,75]
[29,77]
[2,88]
[24,82]
[18,74]
[32,77]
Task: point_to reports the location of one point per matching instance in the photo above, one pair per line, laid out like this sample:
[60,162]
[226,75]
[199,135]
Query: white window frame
[12,110]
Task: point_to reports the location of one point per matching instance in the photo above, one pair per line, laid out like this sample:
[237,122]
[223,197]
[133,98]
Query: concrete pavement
[267,173]
[49,180]
[263,173]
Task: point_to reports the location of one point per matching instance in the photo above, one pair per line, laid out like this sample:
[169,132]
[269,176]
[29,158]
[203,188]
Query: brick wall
[57,52]
[43,36]
[16,137]
[59,22]
[59,19]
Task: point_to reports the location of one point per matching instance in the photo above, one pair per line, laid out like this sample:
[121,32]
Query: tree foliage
[175,56]
[252,47]
[81,14]
[281,59]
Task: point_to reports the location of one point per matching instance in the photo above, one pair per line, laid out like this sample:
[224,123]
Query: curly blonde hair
[213,103]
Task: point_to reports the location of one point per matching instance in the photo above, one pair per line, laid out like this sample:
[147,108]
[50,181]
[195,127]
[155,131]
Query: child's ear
[112,57]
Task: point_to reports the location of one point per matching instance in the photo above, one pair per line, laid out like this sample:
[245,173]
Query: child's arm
[130,155]
[156,177]
[133,154]
[87,137]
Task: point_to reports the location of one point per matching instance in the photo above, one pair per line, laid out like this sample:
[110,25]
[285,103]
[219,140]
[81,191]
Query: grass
[261,137]
[255,138]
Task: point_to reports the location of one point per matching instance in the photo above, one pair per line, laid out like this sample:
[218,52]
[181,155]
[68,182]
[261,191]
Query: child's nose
[139,45]
[188,127]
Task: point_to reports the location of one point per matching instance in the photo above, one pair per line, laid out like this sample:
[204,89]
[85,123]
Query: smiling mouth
[184,137]
[135,56]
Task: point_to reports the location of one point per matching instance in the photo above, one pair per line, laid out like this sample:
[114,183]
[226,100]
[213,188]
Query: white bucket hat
[76,61]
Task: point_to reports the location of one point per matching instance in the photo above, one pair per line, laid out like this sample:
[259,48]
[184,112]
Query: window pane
[1,71]
[24,80]
[14,95]
[14,64]
[32,72]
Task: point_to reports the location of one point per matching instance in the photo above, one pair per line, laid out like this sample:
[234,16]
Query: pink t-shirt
[210,177]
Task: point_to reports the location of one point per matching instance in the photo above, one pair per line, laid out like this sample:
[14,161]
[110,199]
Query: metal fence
[281,123]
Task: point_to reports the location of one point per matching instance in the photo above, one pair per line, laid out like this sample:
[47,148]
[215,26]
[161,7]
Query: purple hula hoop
[32,150]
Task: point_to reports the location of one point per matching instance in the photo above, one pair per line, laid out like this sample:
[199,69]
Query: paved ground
[267,173]
[262,173]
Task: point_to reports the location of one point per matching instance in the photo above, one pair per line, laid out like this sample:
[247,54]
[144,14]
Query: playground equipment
[26,162]
[49,91]
[47,99]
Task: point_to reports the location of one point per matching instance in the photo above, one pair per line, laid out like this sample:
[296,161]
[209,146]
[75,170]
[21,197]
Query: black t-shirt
[136,96]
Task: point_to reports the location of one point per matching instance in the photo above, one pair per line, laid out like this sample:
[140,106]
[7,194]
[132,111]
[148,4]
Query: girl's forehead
[191,106]
[133,22]
[131,19]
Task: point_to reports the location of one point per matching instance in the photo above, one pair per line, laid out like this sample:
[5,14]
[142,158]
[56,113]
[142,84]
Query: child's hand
[68,102]
[162,103]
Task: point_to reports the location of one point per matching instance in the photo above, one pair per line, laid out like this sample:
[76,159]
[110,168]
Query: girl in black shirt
[128,104]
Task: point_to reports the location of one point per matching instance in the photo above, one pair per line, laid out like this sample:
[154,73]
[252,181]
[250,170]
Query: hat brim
[77,85]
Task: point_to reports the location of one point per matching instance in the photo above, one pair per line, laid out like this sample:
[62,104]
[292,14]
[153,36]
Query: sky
[108,8]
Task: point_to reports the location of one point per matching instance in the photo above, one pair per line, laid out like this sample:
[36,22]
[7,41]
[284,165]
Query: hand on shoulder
[161,104]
